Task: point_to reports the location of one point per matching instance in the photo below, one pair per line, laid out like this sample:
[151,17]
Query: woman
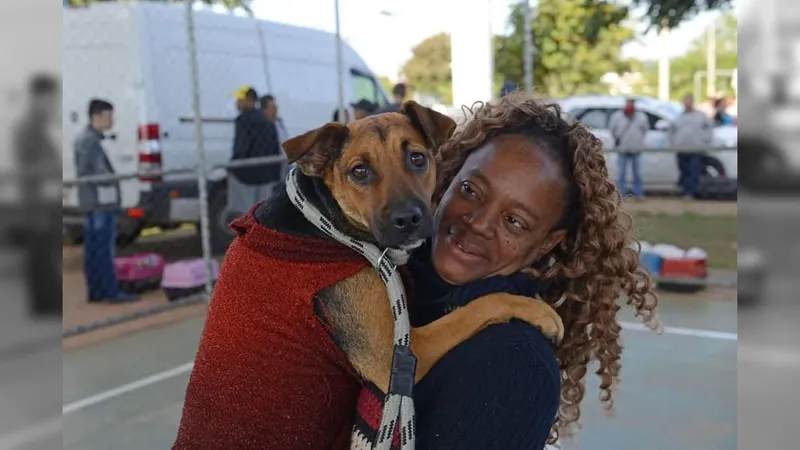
[525,207]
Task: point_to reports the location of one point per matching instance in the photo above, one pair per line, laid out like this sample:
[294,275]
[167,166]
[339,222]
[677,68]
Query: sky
[383,32]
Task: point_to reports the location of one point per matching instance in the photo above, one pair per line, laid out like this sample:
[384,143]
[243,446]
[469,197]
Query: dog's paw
[533,311]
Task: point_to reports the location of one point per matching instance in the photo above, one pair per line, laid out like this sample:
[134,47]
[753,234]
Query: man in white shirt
[629,127]
[691,130]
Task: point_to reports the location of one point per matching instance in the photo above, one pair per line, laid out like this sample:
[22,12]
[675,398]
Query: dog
[297,318]
[374,179]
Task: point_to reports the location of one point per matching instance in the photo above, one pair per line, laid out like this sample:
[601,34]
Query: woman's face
[498,214]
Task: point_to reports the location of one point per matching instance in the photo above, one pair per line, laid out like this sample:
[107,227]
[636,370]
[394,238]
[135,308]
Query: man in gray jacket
[629,128]
[100,203]
[691,130]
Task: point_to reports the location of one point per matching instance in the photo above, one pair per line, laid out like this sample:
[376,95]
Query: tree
[230,4]
[673,12]
[682,69]
[428,70]
[577,42]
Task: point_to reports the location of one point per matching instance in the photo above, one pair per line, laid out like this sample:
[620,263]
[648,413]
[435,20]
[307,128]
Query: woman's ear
[551,241]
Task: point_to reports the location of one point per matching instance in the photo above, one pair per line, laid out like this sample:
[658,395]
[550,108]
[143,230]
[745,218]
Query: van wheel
[73,235]
[219,218]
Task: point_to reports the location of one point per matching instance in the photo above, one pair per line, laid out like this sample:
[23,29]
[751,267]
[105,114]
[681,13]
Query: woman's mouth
[462,250]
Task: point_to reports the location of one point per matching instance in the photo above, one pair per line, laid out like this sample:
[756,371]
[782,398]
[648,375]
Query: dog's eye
[418,159]
[359,172]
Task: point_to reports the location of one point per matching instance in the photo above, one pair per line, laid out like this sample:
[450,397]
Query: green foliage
[576,44]
[428,70]
[230,4]
[682,69]
[672,12]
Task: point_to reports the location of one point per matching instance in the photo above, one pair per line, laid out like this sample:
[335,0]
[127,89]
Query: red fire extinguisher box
[684,268]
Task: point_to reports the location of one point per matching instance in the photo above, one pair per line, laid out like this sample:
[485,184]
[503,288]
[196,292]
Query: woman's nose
[479,222]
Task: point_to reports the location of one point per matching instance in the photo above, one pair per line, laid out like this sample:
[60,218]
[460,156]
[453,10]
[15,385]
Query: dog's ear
[434,126]
[315,150]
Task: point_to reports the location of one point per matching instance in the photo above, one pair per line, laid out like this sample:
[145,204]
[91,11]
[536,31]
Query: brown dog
[375,178]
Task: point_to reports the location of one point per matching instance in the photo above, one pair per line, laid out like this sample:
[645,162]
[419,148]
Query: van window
[365,87]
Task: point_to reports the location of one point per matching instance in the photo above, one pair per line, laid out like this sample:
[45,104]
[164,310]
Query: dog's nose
[406,218]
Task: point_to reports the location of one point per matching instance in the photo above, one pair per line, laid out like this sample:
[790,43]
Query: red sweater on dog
[267,374]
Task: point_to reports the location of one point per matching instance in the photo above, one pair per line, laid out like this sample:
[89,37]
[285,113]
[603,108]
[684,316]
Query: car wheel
[219,219]
[713,167]
[126,239]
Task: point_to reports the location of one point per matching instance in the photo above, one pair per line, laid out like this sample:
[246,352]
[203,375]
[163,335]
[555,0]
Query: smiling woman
[524,194]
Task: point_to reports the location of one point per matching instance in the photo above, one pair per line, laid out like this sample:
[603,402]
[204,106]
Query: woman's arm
[499,389]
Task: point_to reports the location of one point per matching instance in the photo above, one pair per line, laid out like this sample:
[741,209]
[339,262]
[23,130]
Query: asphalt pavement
[678,389]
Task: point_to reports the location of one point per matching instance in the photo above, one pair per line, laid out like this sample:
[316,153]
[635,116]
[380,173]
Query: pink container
[188,277]
[139,273]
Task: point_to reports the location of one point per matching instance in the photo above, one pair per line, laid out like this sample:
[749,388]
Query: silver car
[659,169]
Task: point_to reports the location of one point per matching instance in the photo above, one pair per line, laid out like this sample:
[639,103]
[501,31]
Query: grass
[717,235]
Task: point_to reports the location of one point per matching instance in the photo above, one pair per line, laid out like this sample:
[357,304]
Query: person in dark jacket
[363,108]
[36,141]
[100,203]
[399,92]
[255,136]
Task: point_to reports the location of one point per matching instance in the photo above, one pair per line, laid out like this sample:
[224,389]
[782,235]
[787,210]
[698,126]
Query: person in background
[509,87]
[399,93]
[255,136]
[100,203]
[36,141]
[363,108]
[721,117]
[690,130]
[270,108]
[346,116]
[629,128]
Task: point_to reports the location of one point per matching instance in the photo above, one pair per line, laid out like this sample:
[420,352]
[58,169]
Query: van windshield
[365,87]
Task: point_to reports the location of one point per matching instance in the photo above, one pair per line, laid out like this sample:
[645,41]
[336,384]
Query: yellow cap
[241,93]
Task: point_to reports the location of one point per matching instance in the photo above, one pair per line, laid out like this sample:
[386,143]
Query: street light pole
[339,67]
[527,47]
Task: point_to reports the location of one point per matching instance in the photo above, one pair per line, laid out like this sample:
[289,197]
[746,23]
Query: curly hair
[595,264]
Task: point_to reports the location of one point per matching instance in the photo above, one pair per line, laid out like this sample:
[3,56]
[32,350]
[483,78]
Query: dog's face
[379,169]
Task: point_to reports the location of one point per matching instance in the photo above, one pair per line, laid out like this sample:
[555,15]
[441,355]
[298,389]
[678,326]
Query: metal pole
[339,66]
[527,47]
[663,63]
[711,60]
[262,42]
[198,137]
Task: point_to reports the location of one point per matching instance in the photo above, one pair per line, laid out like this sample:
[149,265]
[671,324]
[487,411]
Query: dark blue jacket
[499,389]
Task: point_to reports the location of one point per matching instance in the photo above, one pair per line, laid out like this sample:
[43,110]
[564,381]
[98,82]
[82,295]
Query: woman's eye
[513,222]
[359,172]
[467,189]
[418,159]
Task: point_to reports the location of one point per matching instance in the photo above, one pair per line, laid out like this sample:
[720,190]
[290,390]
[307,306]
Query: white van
[135,55]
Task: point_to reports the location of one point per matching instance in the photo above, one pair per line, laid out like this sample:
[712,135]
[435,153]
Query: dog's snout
[407,217]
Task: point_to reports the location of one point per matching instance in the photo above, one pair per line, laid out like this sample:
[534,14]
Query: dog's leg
[363,327]
[431,342]
[358,312]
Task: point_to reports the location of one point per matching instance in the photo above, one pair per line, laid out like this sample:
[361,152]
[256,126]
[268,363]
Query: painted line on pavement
[126,388]
[185,368]
[707,334]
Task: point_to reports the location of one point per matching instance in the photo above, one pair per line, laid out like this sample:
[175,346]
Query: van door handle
[126,158]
